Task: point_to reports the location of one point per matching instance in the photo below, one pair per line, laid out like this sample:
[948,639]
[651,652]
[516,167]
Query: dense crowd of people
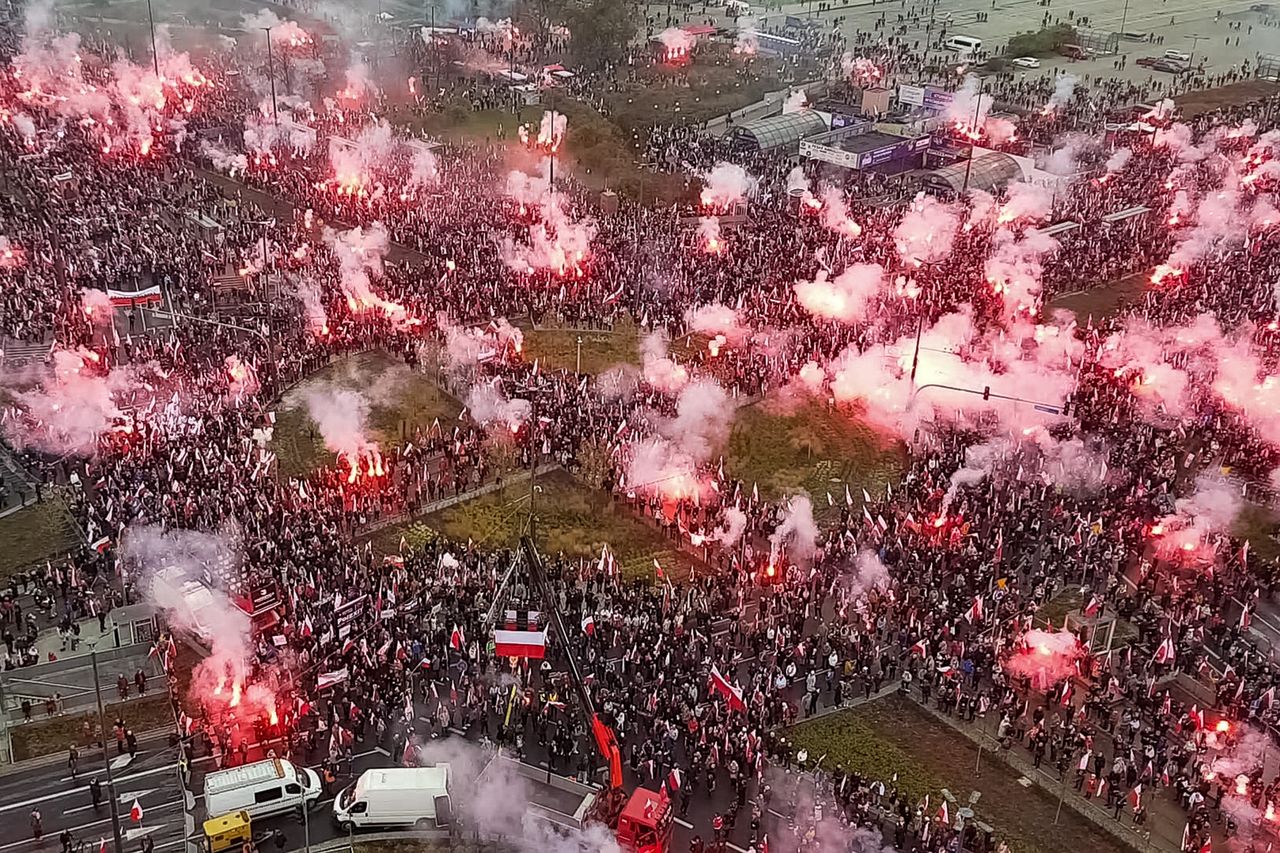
[373,644]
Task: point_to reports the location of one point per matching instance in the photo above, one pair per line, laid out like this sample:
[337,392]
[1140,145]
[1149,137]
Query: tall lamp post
[155,54]
[106,755]
[271,72]
[915,359]
[977,111]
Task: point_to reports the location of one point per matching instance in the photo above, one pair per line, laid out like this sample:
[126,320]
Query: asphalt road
[703,806]
[64,802]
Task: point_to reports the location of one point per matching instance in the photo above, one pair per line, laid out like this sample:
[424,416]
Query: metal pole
[552,177]
[1124,17]
[435,51]
[6,746]
[155,54]
[578,368]
[106,757]
[915,361]
[271,72]
[977,109]
[1062,793]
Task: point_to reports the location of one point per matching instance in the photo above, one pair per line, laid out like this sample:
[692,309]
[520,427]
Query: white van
[1177,55]
[395,796]
[262,789]
[965,45]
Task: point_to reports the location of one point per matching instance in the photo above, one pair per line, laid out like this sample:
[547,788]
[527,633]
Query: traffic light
[986,392]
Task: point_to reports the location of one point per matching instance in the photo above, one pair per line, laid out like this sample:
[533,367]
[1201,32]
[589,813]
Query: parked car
[1169,66]
[1178,56]
[1027,62]
[1147,61]
[1075,51]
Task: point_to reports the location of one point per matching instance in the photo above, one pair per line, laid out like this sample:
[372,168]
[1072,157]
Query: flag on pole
[974,613]
[135,811]
[457,639]
[589,625]
[731,692]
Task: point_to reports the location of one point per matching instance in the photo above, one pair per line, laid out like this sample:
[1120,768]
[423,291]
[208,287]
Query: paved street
[64,802]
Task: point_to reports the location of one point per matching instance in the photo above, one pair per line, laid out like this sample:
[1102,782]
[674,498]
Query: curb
[61,757]
[345,843]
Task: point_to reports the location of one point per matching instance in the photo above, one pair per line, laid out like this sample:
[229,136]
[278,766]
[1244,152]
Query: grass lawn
[462,123]
[1257,523]
[397,395]
[1070,601]
[812,447]
[34,534]
[894,735]
[49,736]
[572,518]
[557,348]
[1104,300]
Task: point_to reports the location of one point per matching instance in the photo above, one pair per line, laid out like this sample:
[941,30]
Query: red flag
[135,812]
[674,780]
[306,629]
[920,648]
[1091,609]
[457,639]
[589,625]
[1135,796]
[944,814]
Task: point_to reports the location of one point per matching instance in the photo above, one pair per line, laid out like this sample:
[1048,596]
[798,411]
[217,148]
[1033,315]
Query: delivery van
[416,797]
[964,45]
[261,789]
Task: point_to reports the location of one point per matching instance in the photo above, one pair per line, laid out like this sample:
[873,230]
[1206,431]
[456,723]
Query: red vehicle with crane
[641,820]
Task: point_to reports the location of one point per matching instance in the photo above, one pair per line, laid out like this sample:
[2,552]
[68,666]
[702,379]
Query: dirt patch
[1193,104]
[895,736]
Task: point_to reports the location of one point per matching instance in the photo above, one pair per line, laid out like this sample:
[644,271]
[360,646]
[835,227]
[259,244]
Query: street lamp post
[271,72]
[915,359]
[977,110]
[155,54]
[578,368]
[106,756]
